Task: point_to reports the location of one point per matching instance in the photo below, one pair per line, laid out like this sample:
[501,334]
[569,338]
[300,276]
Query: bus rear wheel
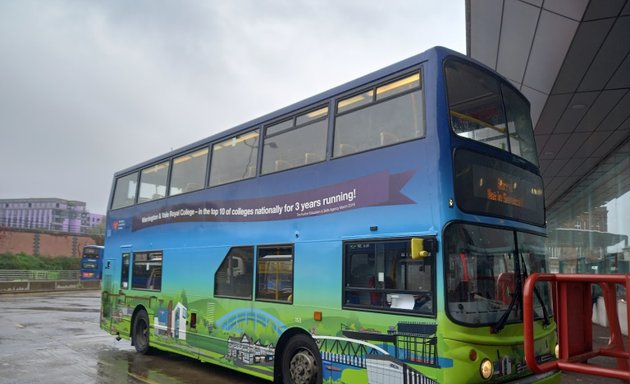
[301,361]
[140,332]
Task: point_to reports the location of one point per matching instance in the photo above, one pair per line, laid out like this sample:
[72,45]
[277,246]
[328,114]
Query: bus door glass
[107,290]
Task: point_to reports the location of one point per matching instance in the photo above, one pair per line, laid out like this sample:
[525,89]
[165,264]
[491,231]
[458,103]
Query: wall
[589,228]
[39,243]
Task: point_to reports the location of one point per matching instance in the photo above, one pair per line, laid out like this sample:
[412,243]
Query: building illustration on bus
[378,232]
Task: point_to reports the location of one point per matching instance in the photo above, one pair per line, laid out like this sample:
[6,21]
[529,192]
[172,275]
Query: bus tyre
[140,332]
[301,361]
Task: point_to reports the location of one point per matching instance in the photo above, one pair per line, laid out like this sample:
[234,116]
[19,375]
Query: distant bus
[92,262]
[378,232]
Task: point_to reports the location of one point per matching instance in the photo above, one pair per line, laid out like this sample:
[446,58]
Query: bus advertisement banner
[373,190]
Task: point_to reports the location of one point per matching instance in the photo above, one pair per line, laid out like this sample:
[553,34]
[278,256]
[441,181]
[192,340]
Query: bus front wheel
[301,361]
[140,332]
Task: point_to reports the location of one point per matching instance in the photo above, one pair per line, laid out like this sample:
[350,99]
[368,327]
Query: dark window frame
[507,111]
[375,101]
[291,298]
[169,166]
[384,291]
[125,270]
[294,128]
[134,277]
[114,194]
[251,280]
[211,156]
[206,171]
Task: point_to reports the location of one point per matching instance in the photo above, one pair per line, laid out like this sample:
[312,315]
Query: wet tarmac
[55,338]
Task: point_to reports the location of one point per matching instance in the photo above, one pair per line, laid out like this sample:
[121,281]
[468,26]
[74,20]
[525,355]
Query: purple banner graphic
[372,190]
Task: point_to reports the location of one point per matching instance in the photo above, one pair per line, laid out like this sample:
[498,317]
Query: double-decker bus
[378,232]
[92,262]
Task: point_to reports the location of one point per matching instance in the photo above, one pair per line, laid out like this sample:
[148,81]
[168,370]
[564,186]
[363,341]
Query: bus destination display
[490,186]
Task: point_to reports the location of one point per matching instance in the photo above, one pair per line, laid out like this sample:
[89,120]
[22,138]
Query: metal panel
[578,107]
[611,143]
[588,39]
[485,27]
[572,146]
[599,110]
[552,112]
[573,9]
[621,78]
[555,167]
[555,142]
[552,41]
[537,100]
[602,9]
[516,41]
[609,57]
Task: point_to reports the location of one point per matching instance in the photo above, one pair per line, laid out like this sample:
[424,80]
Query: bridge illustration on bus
[379,232]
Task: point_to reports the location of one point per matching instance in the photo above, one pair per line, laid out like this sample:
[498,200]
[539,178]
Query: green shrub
[29,262]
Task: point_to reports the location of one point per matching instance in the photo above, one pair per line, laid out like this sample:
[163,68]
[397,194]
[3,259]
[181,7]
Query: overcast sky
[88,88]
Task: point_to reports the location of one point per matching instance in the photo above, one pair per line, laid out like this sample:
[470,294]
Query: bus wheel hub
[302,367]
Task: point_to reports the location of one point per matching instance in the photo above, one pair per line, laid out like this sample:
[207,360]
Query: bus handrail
[573,315]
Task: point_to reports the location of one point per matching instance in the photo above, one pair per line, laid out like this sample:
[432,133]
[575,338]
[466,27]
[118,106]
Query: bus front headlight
[486,369]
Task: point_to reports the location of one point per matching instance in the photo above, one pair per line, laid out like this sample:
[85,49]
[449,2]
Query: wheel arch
[282,342]
[137,310]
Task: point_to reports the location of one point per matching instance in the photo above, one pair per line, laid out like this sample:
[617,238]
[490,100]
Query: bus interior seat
[251,171]
[346,149]
[388,138]
[310,157]
[505,287]
[282,165]
[189,187]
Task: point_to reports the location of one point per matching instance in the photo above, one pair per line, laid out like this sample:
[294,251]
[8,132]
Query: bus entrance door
[107,293]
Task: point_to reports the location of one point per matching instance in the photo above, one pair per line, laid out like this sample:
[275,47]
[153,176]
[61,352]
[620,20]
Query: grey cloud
[91,87]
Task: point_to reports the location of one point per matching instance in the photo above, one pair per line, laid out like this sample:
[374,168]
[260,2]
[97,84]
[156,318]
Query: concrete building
[571,58]
[48,214]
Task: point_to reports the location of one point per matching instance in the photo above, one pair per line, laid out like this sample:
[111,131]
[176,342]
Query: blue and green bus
[92,262]
[378,232]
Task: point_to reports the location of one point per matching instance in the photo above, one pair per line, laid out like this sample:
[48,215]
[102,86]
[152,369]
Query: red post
[573,312]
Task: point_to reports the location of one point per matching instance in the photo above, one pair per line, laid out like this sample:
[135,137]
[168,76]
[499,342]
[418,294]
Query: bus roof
[431,53]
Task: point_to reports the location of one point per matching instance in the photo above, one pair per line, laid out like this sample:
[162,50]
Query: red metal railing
[573,309]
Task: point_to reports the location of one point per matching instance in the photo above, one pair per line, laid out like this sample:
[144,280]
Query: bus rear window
[90,252]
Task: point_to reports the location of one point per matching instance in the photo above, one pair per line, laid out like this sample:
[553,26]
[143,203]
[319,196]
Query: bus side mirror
[421,248]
